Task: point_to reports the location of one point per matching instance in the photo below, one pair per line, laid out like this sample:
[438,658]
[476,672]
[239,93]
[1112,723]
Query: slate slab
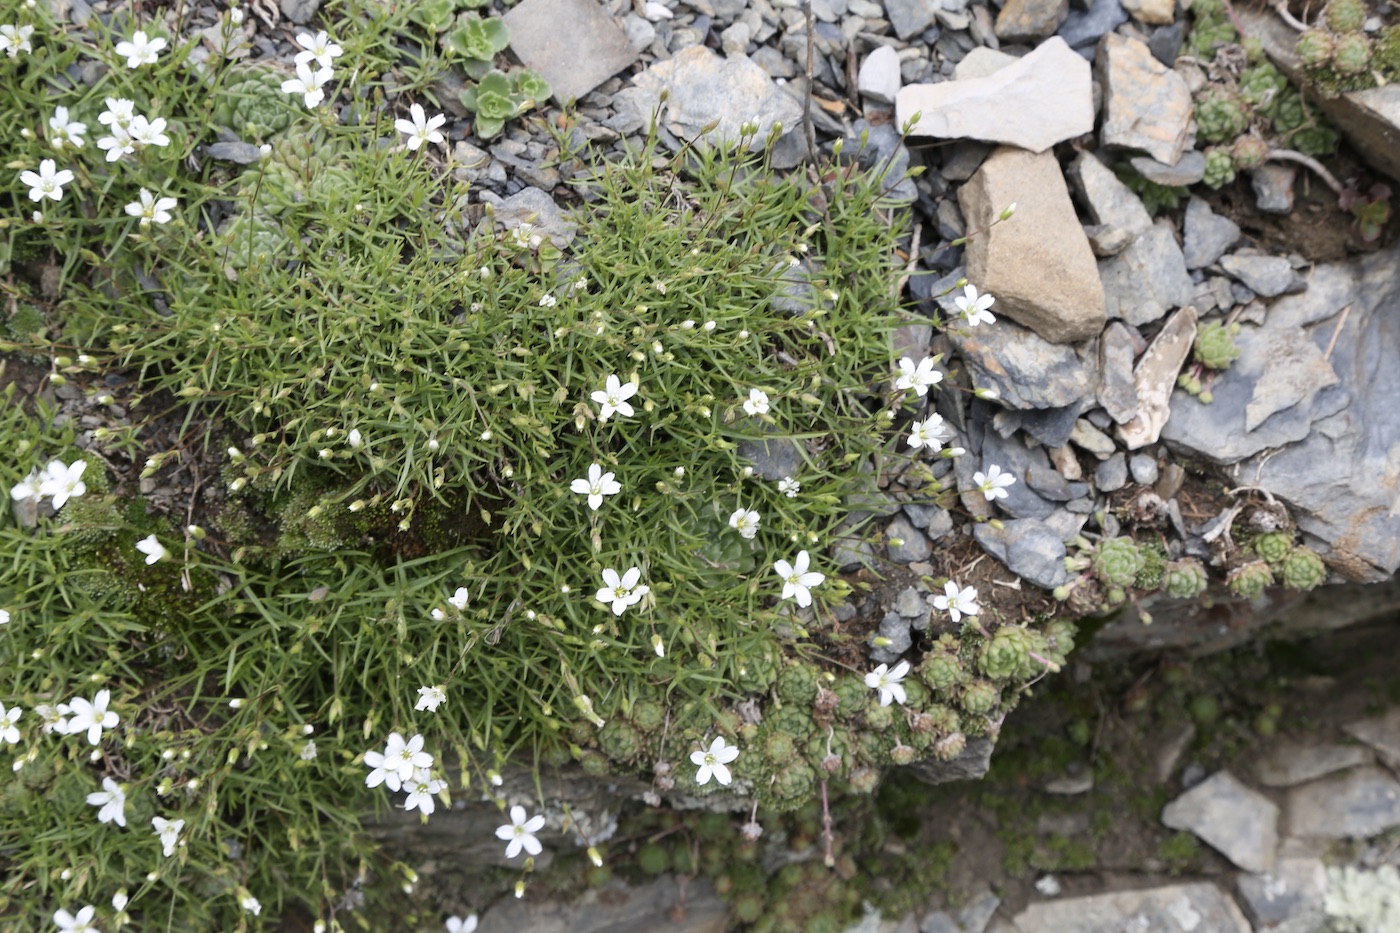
[1206,235]
[1354,804]
[1146,105]
[1199,907]
[1233,818]
[1148,279]
[1290,899]
[1288,764]
[1026,370]
[1381,733]
[572,44]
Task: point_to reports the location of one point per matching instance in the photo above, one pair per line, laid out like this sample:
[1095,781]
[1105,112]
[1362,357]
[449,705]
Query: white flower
[420,129]
[153,549]
[789,487]
[797,579]
[112,800]
[382,771]
[430,698]
[458,925]
[4,617]
[169,832]
[251,904]
[46,183]
[91,717]
[140,50]
[421,789]
[54,718]
[235,16]
[974,308]
[715,761]
[957,602]
[119,113]
[63,131]
[308,83]
[63,482]
[15,39]
[756,403]
[745,521]
[403,757]
[930,433]
[119,901]
[919,377]
[27,488]
[144,132]
[613,398]
[622,591]
[596,485]
[888,682]
[993,483]
[308,751]
[68,923]
[9,732]
[116,145]
[319,47]
[520,833]
[548,301]
[354,438]
[151,209]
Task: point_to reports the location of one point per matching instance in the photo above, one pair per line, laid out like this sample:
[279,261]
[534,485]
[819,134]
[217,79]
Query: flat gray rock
[573,44]
[616,908]
[1268,276]
[1014,457]
[1354,804]
[1029,21]
[1082,28]
[891,640]
[909,18]
[299,11]
[981,62]
[1287,764]
[1199,907]
[1112,474]
[1206,235]
[1025,370]
[1146,105]
[1381,733]
[1041,99]
[1117,391]
[879,75]
[535,207]
[1108,200]
[1236,820]
[905,543]
[1290,899]
[1188,170]
[1029,548]
[1148,279]
[1038,264]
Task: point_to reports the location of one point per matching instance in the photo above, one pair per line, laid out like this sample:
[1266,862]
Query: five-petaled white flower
[930,433]
[82,923]
[65,132]
[251,904]
[520,833]
[15,39]
[169,832]
[140,50]
[9,732]
[119,113]
[144,132]
[459,598]
[403,757]
[714,761]
[116,145]
[153,549]
[596,485]
[28,488]
[63,482]
[91,716]
[320,47]
[888,682]
[756,403]
[993,483]
[151,209]
[458,925]
[308,83]
[974,307]
[622,591]
[797,579]
[4,617]
[46,183]
[421,129]
[112,800]
[789,487]
[957,602]
[745,521]
[919,377]
[421,789]
[430,698]
[613,398]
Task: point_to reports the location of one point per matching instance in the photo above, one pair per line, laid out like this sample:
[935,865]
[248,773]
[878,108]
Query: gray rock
[1117,392]
[879,75]
[852,552]
[237,152]
[1289,763]
[617,908]
[1144,469]
[735,39]
[1029,548]
[1381,733]
[934,521]
[1029,21]
[1198,907]
[1041,99]
[1273,187]
[1025,371]
[1269,276]
[963,158]
[1238,821]
[1146,105]
[573,44]
[891,640]
[1354,804]
[1014,457]
[1108,200]
[1165,43]
[914,544]
[1050,426]
[1148,279]
[1087,437]
[1082,28]
[702,88]
[970,765]
[1112,474]
[1188,170]
[772,458]
[299,11]
[1289,899]
[1107,241]
[535,207]
[1038,264]
[909,18]
[1206,235]
[910,603]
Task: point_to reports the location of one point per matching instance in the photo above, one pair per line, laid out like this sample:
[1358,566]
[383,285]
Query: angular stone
[1043,98]
[894,639]
[1117,391]
[1090,438]
[913,546]
[1146,105]
[1152,12]
[1038,264]
[1108,200]
[616,908]
[1082,28]
[1029,548]
[1015,458]
[1030,20]
[1268,276]
[1112,474]
[702,88]
[1354,804]
[535,207]
[573,44]
[1273,187]
[1198,907]
[1025,370]
[299,11]
[1148,279]
[1188,170]
[1144,469]
[1155,378]
[1206,235]
[879,75]
[1287,764]
[1289,899]
[1107,241]
[981,62]
[1238,821]
[908,18]
[1381,733]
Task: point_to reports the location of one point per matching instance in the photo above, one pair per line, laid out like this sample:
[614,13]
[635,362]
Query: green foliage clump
[980,697]
[1184,579]
[251,103]
[1154,563]
[1220,115]
[1220,168]
[1210,29]
[1302,569]
[499,97]
[1250,580]
[1007,655]
[476,42]
[1215,346]
[1155,198]
[1249,152]
[1345,15]
[1116,561]
[1273,546]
